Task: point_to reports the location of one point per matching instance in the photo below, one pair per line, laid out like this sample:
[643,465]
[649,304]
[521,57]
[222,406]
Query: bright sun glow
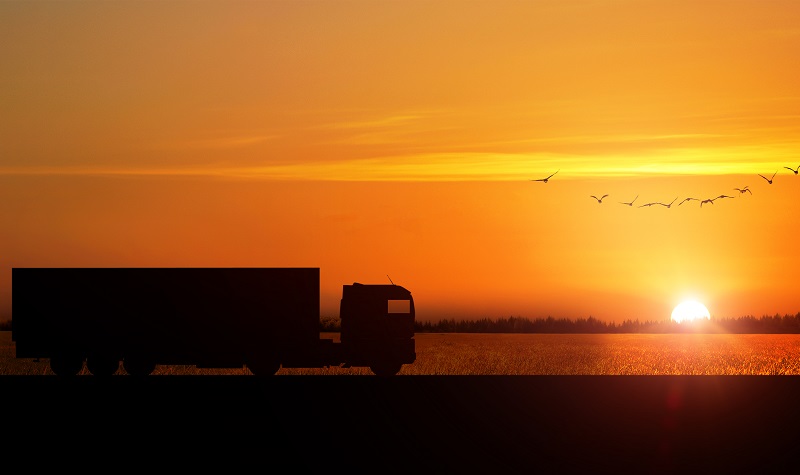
[690,310]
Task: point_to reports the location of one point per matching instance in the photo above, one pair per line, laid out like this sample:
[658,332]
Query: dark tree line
[746,324]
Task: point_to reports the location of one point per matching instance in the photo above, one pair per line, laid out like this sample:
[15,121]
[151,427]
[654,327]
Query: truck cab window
[399,306]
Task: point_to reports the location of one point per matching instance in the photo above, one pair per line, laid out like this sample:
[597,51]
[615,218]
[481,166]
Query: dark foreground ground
[405,424]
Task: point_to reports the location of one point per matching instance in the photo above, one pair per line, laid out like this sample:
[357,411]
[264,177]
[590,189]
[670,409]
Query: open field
[546,354]
[470,404]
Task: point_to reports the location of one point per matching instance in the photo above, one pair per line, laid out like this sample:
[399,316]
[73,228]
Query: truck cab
[377,326]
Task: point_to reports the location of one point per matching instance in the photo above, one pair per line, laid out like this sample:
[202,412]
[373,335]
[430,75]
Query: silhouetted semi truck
[261,319]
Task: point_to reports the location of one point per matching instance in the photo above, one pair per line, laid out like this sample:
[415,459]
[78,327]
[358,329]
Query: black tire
[66,364]
[264,367]
[138,367]
[386,369]
[102,366]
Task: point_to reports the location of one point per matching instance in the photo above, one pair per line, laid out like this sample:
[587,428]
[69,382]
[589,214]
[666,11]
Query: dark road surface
[407,424]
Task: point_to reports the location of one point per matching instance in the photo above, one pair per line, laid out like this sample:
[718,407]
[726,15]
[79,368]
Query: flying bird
[629,204]
[599,200]
[668,205]
[793,170]
[688,199]
[710,200]
[769,180]
[648,204]
[723,196]
[743,190]
[544,180]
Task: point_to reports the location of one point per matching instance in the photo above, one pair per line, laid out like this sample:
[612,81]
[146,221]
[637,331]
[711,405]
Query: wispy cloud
[503,167]
[68,171]
[378,122]
[221,142]
[398,128]
[583,140]
[469,166]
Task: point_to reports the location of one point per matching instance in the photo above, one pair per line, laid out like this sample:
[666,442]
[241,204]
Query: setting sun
[690,310]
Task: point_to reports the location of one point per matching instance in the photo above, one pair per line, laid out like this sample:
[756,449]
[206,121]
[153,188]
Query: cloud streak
[465,166]
[218,142]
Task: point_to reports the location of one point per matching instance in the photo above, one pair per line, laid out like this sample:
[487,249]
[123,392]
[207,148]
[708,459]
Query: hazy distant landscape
[747,324]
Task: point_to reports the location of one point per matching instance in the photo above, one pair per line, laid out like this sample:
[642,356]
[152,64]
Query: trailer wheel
[66,364]
[138,367]
[102,365]
[385,368]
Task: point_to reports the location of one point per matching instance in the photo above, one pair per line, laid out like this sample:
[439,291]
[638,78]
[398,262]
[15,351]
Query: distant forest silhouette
[747,324]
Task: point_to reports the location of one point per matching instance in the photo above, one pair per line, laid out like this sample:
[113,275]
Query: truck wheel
[264,368]
[102,366]
[66,364]
[138,366]
[386,369]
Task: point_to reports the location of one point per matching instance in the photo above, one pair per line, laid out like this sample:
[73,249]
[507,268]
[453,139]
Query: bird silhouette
[688,199]
[723,196]
[710,200]
[667,205]
[629,204]
[648,204]
[743,190]
[599,200]
[769,180]
[544,180]
[793,170]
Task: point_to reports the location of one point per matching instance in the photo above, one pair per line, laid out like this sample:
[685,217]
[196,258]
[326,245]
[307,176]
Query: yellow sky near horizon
[179,133]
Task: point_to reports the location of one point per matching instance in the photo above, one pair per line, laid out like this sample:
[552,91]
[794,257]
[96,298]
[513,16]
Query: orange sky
[372,138]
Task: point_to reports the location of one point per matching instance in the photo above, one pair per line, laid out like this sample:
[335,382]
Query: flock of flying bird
[741,191]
